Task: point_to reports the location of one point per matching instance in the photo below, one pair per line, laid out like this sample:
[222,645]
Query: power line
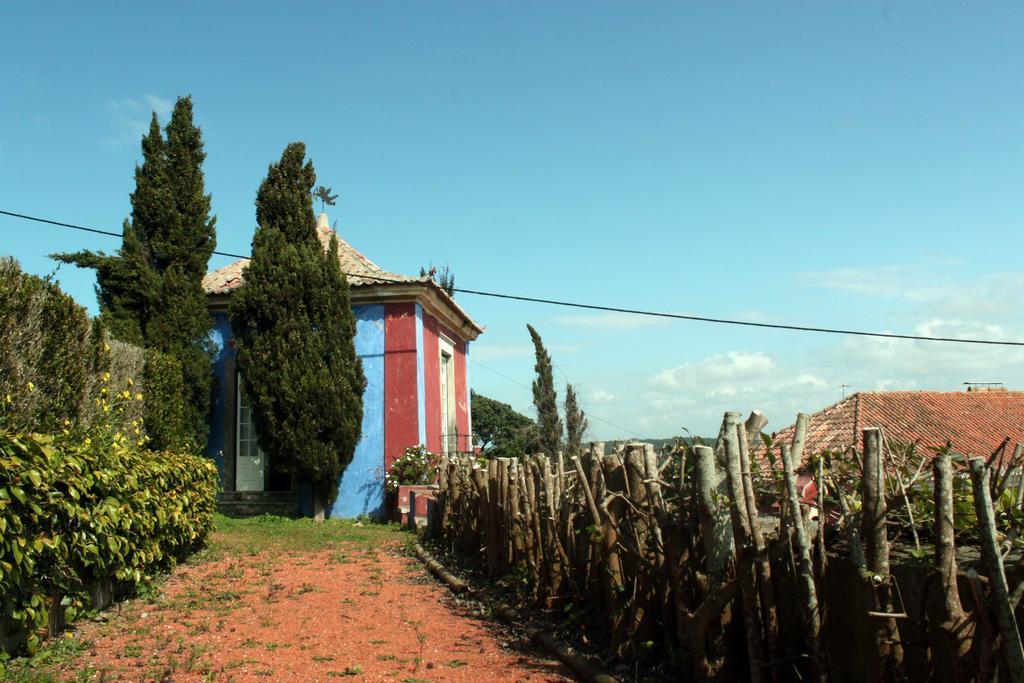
[744,323]
[614,309]
[590,415]
[85,229]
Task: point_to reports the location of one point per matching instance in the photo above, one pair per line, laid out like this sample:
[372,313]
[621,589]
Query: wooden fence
[671,554]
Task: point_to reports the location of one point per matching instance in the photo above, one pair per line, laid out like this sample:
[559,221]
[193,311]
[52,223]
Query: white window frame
[449,404]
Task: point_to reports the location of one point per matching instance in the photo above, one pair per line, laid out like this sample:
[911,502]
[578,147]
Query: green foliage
[575,421]
[48,352]
[150,292]
[295,330]
[166,422]
[77,512]
[502,431]
[416,466]
[57,368]
[545,399]
[444,277]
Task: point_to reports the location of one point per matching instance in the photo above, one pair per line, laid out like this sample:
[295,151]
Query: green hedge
[55,364]
[76,514]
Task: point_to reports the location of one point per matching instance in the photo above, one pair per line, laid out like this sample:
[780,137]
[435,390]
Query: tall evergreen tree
[545,399]
[151,292]
[575,421]
[295,330]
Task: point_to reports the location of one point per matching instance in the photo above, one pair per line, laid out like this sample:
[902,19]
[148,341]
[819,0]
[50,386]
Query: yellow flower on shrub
[31,387]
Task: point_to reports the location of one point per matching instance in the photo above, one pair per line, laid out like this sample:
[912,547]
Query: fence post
[992,559]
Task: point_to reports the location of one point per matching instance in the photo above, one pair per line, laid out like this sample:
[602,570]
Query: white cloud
[601,396]
[131,117]
[613,321]
[896,282]
[732,365]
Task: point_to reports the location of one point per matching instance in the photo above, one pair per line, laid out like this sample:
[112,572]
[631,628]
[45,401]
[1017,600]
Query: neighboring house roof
[360,271]
[975,422]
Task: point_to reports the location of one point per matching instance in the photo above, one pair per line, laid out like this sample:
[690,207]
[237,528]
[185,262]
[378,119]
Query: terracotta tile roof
[359,269]
[976,422]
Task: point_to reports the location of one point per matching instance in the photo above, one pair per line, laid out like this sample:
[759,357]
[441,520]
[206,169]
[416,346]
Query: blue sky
[829,164]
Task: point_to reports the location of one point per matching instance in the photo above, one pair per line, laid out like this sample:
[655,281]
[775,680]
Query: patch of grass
[347,671]
[457,663]
[132,650]
[254,535]
[54,654]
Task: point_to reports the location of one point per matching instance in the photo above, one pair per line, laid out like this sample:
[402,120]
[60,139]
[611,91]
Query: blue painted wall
[220,335]
[361,490]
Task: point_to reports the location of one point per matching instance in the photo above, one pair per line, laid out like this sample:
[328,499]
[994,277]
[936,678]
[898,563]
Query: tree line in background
[504,433]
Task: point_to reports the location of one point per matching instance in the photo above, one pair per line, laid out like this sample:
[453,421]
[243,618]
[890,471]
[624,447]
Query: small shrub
[416,466]
[74,513]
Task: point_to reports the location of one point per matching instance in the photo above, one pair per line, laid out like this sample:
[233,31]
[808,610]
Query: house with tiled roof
[413,339]
[974,422]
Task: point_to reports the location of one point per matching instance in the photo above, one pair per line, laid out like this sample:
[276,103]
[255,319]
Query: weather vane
[324,195]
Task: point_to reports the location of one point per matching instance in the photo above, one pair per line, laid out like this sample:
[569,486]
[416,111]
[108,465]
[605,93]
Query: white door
[250,462]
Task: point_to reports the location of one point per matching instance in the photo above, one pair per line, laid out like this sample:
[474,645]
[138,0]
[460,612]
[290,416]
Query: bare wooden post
[549,526]
[1013,651]
[802,547]
[493,515]
[744,550]
[715,530]
[955,625]
[612,509]
[822,557]
[766,588]
[876,543]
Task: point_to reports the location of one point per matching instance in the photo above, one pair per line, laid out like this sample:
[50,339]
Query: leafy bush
[48,352]
[163,380]
[75,512]
[416,466]
[55,365]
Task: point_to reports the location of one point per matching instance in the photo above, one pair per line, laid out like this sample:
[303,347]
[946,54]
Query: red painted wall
[432,330]
[401,426]
[432,383]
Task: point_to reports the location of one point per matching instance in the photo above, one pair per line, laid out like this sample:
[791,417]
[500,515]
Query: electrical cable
[612,309]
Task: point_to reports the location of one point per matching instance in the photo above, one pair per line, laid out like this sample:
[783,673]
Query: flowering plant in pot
[417,466]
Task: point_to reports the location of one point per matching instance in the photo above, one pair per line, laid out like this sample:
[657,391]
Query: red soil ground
[350,612]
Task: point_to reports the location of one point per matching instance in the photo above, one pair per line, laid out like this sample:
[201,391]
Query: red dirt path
[353,614]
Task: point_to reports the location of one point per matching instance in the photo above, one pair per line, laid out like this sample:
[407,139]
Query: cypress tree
[150,292]
[545,399]
[575,421]
[295,329]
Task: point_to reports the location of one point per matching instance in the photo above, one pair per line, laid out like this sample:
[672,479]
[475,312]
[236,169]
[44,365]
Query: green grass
[52,655]
[254,535]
